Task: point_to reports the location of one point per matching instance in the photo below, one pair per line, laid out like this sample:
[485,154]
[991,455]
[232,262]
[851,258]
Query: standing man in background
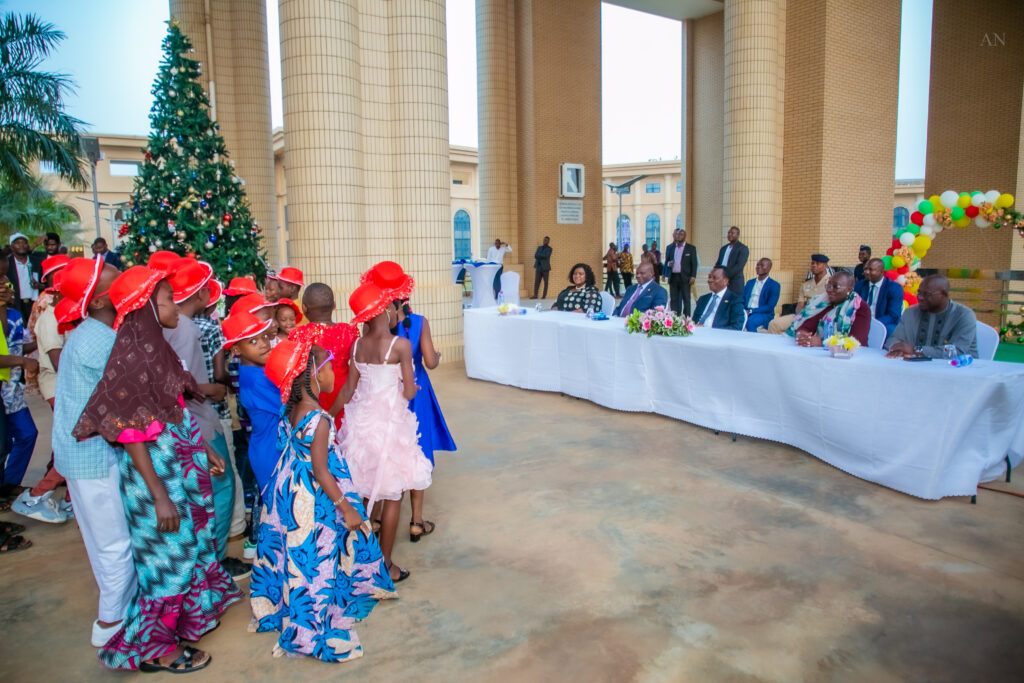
[542,267]
[681,270]
[863,255]
[733,257]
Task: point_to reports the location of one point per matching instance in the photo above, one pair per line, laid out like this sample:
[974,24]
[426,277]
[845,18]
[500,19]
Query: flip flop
[10,528]
[13,543]
[182,665]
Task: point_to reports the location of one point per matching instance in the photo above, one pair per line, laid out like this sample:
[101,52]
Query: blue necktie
[711,307]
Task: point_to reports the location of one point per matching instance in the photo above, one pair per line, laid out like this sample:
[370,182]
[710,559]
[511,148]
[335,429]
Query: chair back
[877,334]
[988,341]
[746,315]
[607,303]
[510,286]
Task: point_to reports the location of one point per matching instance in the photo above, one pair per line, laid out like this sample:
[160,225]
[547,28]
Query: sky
[112,52]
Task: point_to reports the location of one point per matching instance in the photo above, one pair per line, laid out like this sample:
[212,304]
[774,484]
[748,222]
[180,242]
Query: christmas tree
[187,198]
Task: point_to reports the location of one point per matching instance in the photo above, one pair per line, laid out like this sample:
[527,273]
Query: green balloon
[956,213]
[926,207]
[964,194]
[914,229]
[887,262]
[976,192]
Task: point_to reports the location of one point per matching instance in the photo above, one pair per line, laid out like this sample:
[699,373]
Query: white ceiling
[673,9]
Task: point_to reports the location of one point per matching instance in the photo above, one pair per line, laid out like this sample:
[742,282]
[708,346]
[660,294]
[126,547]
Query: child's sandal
[425,529]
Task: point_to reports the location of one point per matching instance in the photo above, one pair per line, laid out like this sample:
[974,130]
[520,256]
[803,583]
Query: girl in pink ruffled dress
[378,437]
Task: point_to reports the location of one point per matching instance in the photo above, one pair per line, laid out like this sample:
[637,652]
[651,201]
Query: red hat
[79,282]
[368,301]
[390,277]
[241,285]
[66,311]
[132,289]
[290,275]
[292,305]
[54,263]
[190,278]
[58,277]
[286,361]
[250,303]
[166,261]
[242,325]
[216,290]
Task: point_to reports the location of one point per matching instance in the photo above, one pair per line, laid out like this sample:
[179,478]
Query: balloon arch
[935,214]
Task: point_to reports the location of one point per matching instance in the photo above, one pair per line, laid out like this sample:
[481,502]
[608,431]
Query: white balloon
[991,196]
[907,238]
[981,222]
[938,228]
[927,231]
[978,199]
[929,220]
[948,198]
[901,280]
[915,266]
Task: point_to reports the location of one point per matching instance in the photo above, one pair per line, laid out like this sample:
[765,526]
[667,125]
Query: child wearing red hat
[378,436]
[166,490]
[285,284]
[313,498]
[287,315]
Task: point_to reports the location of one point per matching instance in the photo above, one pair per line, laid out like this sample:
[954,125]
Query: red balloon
[896,243]
[890,251]
[904,270]
[891,274]
[971,211]
[911,299]
[917,218]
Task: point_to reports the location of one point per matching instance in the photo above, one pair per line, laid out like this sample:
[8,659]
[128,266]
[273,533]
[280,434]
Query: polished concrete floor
[578,543]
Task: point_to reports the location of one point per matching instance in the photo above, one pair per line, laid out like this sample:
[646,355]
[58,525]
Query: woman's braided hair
[301,385]
[406,309]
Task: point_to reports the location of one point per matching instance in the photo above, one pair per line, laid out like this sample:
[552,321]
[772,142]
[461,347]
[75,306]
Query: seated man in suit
[884,296]
[720,307]
[934,322]
[644,295]
[760,296]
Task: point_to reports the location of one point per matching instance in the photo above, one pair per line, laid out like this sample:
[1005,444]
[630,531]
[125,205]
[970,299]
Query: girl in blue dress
[434,434]
[319,568]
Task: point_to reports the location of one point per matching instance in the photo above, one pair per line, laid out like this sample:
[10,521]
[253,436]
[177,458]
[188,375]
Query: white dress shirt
[874,289]
[26,290]
[725,258]
[708,317]
[755,293]
[497,254]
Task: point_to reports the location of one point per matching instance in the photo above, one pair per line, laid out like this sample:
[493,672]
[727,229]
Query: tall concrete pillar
[230,40]
[366,119]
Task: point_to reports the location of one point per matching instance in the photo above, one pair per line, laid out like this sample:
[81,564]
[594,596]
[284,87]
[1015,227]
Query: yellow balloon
[1005,201]
[936,202]
[964,201]
[898,262]
[963,222]
[922,242]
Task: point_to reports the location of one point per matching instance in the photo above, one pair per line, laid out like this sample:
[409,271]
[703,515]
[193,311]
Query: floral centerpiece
[658,321]
[510,309]
[841,345]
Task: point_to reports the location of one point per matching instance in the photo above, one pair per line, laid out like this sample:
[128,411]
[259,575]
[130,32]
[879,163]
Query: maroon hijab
[141,384]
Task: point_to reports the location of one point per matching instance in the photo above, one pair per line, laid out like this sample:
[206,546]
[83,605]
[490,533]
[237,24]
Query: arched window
[679,221]
[463,235]
[652,233]
[622,231]
[900,218]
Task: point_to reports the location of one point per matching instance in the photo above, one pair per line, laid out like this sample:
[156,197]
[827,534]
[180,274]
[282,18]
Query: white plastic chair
[510,286]
[607,303]
[746,316]
[877,334]
[988,341]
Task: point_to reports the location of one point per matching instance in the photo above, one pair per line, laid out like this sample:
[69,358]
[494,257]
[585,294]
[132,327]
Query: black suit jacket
[113,258]
[687,264]
[35,261]
[734,268]
[729,314]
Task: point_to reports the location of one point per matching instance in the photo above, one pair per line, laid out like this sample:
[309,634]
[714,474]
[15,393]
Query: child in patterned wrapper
[314,547]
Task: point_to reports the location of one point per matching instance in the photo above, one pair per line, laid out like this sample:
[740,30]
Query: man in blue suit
[720,307]
[760,296]
[644,295]
[883,296]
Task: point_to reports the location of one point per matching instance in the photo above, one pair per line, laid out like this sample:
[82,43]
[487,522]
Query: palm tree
[34,212]
[33,124]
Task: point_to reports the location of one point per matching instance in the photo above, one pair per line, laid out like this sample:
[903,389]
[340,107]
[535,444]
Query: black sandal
[182,665]
[402,573]
[12,543]
[10,528]
[426,528]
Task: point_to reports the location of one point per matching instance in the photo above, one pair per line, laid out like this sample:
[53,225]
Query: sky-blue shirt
[82,362]
[262,400]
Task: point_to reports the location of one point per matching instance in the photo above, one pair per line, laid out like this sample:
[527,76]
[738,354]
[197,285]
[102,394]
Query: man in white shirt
[496,254]
[24,271]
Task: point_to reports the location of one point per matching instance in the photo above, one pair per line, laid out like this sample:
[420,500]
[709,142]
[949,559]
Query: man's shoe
[236,568]
[102,635]
[40,508]
[248,550]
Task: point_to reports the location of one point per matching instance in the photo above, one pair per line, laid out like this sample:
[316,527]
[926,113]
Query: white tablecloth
[926,429]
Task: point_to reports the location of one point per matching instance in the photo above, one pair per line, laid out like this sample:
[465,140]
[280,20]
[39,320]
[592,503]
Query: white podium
[483,283]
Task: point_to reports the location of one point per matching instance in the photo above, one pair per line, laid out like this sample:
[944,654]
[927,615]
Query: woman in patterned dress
[319,568]
[582,294]
[165,484]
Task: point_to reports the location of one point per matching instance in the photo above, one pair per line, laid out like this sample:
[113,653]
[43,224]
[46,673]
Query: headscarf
[845,312]
[141,384]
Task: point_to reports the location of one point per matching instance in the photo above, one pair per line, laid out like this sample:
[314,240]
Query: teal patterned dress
[313,578]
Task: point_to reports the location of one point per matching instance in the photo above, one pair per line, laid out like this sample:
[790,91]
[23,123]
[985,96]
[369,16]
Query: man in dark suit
[760,296]
[884,296]
[99,248]
[720,307]
[542,267]
[644,295]
[733,257]
[862,257]
[25,272]
[680,267]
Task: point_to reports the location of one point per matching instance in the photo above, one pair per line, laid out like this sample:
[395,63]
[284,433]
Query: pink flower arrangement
[658,321]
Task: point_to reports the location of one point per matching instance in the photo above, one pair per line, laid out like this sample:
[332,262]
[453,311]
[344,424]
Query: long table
[926,429]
